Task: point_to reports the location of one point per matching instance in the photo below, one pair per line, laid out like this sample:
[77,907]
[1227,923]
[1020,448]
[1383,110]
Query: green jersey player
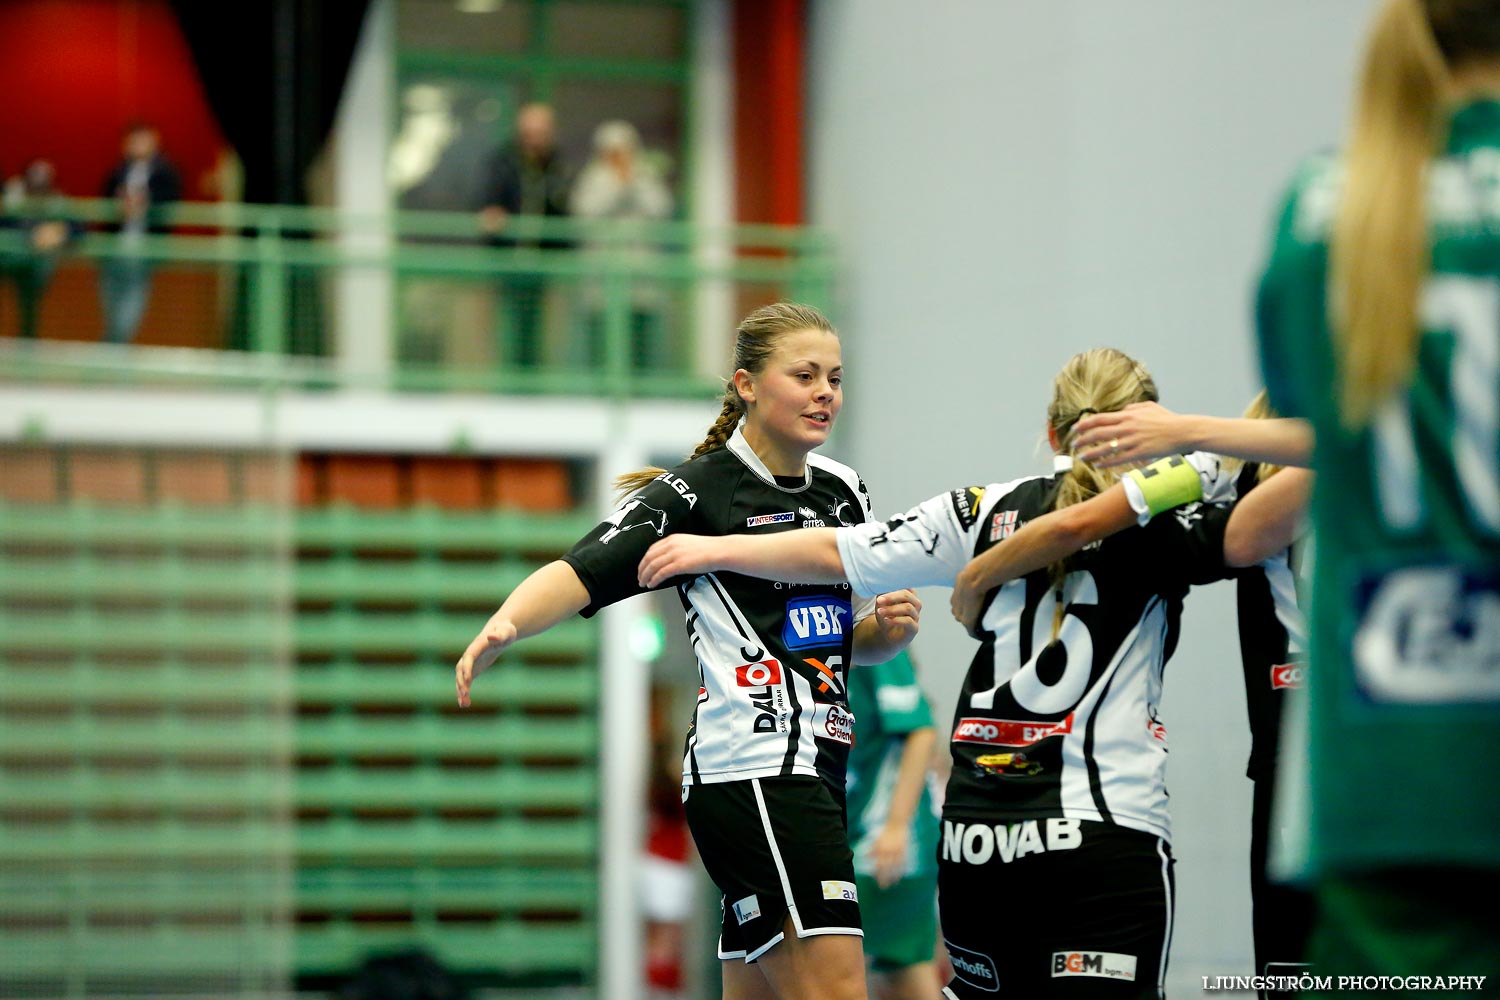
[1404,686]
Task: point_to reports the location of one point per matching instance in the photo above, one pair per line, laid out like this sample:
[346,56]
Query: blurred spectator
[623,185]
[38,212]
[143,182]
[666,883]
[526,177]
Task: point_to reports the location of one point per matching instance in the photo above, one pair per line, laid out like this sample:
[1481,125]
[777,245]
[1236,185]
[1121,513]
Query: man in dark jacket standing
[142,183]
[526,177]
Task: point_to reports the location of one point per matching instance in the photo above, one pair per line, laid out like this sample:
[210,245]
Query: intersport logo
[1009,732]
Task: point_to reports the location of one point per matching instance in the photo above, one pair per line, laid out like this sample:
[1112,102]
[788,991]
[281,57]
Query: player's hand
[1139,433]
[491,641]
[677,555]
[888,855]
[967,599]
[897,615]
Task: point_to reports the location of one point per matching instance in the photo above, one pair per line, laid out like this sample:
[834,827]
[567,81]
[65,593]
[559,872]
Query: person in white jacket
[623,184]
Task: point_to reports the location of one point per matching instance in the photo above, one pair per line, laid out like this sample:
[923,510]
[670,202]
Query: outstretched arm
[1268,519]
[1039,543]
[1144,431]
[806,555]
[543,599]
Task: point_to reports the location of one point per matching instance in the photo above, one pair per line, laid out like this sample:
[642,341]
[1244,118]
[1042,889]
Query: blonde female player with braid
[764,768]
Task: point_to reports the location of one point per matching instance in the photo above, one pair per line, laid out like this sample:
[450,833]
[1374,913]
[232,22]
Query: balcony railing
[407,300]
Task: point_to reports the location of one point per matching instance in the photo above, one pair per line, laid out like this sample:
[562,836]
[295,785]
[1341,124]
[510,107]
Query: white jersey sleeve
[927,545]
[864,607]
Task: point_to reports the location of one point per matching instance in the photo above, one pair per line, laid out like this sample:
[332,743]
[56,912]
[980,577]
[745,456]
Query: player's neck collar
[1062,463]
[741,449]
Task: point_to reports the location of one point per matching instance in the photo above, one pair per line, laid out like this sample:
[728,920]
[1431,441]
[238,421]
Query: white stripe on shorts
[786,884]
[1166,941]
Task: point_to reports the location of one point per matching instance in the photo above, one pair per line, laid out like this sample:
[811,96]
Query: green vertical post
[269,329]
[617,328]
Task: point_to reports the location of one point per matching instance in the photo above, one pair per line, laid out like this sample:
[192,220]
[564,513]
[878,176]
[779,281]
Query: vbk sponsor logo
[976,969]
[840,890]
[761,519]
[1287,675]
[1009,732]
[981,843]
[1098,964]
[834,722]
[814,621]
[754,675]
[1003,524]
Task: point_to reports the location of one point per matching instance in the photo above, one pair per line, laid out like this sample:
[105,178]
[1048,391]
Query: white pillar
[364,296]
[712,131]
[624,755]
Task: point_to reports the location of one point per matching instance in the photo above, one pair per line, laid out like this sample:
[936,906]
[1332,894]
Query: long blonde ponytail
[1380,253]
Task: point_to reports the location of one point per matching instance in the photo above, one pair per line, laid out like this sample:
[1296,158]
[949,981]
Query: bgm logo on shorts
[759,520]
[1287,675]
[973,968]
[840,890]
[747,909]
[1096,964]
[815,621]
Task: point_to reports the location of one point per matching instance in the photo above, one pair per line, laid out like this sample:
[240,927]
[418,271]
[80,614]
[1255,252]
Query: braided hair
[755,341]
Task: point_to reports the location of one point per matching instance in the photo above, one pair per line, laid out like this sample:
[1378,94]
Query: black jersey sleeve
[1186,545]
[607,558]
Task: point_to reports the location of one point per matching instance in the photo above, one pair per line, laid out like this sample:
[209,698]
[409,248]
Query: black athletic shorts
[775,847]
[1054,908]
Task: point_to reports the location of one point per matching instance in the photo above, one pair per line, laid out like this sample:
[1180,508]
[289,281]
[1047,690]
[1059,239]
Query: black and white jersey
[772,656]
[1067,728]
[1273,643]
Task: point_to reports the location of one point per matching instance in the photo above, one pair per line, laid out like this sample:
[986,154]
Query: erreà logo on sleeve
[815,621]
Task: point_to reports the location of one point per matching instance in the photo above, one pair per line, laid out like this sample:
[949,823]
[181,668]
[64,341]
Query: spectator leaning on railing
[34,207]
[142,182]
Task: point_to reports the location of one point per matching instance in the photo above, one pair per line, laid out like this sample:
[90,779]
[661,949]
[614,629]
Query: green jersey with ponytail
[1404,678]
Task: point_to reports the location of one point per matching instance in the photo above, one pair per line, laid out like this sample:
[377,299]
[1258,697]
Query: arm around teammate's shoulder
[1038,543]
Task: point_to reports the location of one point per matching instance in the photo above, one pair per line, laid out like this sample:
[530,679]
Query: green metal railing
[623,306]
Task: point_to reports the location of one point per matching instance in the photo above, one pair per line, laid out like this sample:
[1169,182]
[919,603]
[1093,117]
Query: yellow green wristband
[1167,483]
